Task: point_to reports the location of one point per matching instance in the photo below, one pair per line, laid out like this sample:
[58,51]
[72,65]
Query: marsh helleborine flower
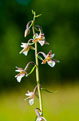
[21,74]
[26,47]
[39,38]
[49,59]
[39,117]
[31,96]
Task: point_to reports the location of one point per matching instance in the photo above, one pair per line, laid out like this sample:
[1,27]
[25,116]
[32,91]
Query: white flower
[49,58]
[39,38]
[26,47]
[31,96]
[21,74]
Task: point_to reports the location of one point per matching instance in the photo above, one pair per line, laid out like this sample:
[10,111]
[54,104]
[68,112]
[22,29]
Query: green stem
[37,78]
[37,71]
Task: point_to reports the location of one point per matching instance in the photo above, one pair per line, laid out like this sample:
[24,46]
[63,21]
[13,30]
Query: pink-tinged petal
[29,94]
[31,101]
[19,68]
[51,63]
[52,55]
[26,98]
[24,45]
[41,42]
[27,31]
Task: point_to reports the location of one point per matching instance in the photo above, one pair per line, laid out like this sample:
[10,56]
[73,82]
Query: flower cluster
[31,44]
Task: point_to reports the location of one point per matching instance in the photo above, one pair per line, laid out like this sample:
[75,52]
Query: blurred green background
[60,23]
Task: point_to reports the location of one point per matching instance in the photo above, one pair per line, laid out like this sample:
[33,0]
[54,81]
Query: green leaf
[31,71]
[38,15]
[46,90]
[40,57]
[33,12]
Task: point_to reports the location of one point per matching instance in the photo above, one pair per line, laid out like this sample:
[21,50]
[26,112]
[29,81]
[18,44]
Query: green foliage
[46,90]
[40,57]
[31,70]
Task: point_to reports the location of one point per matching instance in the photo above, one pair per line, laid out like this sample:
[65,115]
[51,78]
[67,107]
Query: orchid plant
[38,37]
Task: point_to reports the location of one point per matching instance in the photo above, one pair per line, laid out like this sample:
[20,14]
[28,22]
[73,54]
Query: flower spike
[38,37]
[39,117]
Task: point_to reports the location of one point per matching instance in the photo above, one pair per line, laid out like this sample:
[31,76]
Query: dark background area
[60,23]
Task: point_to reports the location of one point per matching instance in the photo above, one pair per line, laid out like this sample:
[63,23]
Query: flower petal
[52,55]
[31,101]
[24,45]
[26,98]
[29,94]
[19,70]
[19,77]
[41,42]
[51,63]
[39,119]
[25,53]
